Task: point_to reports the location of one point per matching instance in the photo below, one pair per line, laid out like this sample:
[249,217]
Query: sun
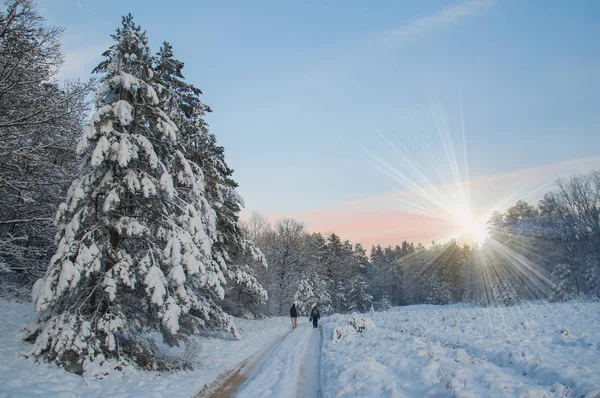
[475,229]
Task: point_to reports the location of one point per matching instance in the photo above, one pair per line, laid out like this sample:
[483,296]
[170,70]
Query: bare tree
[286,248]
[256,227]
[40,122]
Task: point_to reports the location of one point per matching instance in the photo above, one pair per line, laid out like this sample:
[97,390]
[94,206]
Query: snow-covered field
[24,378]
[532,350]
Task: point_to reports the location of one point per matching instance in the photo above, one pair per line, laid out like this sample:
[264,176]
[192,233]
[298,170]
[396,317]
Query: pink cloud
[376,227]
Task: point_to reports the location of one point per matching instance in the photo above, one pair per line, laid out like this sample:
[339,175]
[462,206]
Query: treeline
[40,123]
[549,251]
[339,276]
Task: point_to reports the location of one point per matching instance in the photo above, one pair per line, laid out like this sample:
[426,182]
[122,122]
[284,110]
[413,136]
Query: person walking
[294,315]
[315,314]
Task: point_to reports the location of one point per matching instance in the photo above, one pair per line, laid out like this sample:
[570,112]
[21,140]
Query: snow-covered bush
[383,304]
[356,324]
[344,333]
[360,323]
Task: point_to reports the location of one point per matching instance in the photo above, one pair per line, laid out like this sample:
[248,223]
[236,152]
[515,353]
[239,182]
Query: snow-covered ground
[532,350]
[24,378]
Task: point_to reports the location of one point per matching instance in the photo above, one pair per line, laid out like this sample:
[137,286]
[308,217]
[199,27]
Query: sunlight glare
[475,230]
[433,169]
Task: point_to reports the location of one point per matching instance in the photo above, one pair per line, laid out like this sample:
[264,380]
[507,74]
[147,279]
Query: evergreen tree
[564,287]
[136,231]
[375,274]
[436,291]
[358,298]
[340,301]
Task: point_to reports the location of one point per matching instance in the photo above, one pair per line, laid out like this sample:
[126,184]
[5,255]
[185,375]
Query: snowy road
[309,382]
[292,369]
[227,385]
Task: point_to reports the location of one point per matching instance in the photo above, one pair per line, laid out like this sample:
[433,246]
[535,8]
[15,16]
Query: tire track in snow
[229,382]
[292,369]
[310,371]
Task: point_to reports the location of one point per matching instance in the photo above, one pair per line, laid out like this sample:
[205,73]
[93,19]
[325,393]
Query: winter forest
[119,218]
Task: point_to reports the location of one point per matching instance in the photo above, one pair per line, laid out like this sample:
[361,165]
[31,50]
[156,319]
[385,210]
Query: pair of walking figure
[315,314]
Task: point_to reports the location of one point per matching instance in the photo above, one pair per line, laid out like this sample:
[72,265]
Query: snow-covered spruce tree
[592,275]
[312,290]
[135,233]
[375,275]
[359,300]
[565,286]
[340,301]
[503,292]
[435,290]
[231,250]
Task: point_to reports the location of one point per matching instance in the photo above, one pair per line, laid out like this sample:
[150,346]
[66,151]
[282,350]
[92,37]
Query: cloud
[390,219]
[79,5]
[499,190]
[79,62]
[371,227]
[440,20]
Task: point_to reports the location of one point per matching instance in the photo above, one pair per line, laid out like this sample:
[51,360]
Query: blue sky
[302,91]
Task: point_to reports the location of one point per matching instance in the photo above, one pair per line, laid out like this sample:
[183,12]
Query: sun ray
[432,172]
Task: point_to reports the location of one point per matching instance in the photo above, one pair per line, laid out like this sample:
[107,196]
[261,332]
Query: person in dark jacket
[294,315]
[314,316]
